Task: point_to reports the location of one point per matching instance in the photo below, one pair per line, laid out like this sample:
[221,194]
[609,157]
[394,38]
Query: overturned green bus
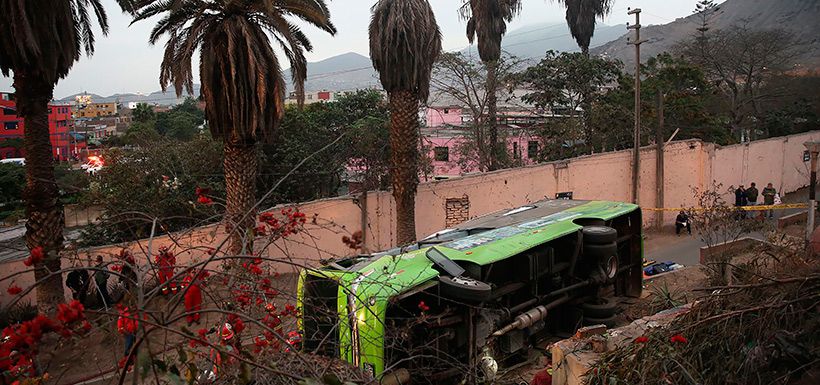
[465,301]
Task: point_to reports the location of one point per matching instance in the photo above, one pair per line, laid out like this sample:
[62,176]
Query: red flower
[14,289]
[289,309]
[254,269]
[272,320]
[236,322]
[202,199]
[37,254]
[423,307]
[202,191]
[641,340]
[71,312]
[201,341]
[261,230]
[677,338]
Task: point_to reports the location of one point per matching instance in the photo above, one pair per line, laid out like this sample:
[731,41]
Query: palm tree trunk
[241,168]
[44,211]
[492,112]
[404,155]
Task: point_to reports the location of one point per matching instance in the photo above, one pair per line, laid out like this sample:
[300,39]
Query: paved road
[685,249]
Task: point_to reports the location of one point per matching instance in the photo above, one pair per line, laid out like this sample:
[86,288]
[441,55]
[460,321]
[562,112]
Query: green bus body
[372,284]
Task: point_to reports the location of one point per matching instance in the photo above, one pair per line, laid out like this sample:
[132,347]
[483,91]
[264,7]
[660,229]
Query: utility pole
[636,152]
[659,164]
[814,150]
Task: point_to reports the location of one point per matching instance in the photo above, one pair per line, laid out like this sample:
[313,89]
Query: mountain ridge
[798,17]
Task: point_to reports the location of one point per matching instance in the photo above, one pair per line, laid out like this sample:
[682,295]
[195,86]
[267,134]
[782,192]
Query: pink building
[444,133]
[443,147]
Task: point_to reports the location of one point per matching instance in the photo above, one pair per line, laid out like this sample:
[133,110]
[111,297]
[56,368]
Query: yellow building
[95,110]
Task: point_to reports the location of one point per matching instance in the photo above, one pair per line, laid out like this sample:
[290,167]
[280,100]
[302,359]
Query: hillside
[158,97]
[348,71]
[534,40]
[351,71]
[799,17]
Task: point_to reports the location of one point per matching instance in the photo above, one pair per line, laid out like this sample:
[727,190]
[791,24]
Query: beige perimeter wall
[688,164]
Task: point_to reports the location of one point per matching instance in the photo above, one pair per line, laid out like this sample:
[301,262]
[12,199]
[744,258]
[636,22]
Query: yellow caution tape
[747,208]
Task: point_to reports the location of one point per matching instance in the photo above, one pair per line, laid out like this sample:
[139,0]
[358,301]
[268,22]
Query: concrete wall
[778,161]
[688,164]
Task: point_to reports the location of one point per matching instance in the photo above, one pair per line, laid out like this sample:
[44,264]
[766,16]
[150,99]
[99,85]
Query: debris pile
[764,329]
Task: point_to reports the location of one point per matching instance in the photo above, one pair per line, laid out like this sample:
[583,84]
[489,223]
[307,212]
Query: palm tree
[41,41]
[241,79]
[581,15]
[404,43]
[488,20]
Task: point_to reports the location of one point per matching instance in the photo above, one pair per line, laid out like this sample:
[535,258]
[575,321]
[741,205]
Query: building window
[446,110]
[10,125]
[532,149]
[441,153]
[516,152]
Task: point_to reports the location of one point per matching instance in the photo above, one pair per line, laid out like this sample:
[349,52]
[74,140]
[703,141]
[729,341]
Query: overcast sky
[124,62]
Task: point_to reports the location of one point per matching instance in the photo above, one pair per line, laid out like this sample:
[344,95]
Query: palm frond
[404,44]
[241,78]
[487,19]
[581,18]
[46,38]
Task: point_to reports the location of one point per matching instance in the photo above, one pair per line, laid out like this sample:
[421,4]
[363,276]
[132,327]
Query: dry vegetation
[763,328]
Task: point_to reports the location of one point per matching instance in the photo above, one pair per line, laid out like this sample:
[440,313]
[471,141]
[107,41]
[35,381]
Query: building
[443,147]
[95,110]
[96,133]
[313,97]
[65,143]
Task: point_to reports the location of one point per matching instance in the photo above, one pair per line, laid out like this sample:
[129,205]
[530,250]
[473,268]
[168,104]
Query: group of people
[743,197]
[79,281]
[749,197]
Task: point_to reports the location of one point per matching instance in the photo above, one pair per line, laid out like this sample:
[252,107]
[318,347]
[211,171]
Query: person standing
[127,325]
[128,275]
[77,281]
[768,198]
[166,263]
[101,279]
[193,297]
[740,201]
[751,195]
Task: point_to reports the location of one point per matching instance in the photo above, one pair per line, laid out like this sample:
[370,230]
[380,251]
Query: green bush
[155,181]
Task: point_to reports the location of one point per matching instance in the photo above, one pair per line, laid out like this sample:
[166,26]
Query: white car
[20,161]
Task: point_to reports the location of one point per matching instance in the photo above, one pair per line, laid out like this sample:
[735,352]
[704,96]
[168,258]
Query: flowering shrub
[20,342]
[244,300]
[36,256]
[14,289]
[677,338]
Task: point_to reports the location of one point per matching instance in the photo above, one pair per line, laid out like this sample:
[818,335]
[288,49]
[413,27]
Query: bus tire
[599,307]
[600,252]
[464,288]
[599,234]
